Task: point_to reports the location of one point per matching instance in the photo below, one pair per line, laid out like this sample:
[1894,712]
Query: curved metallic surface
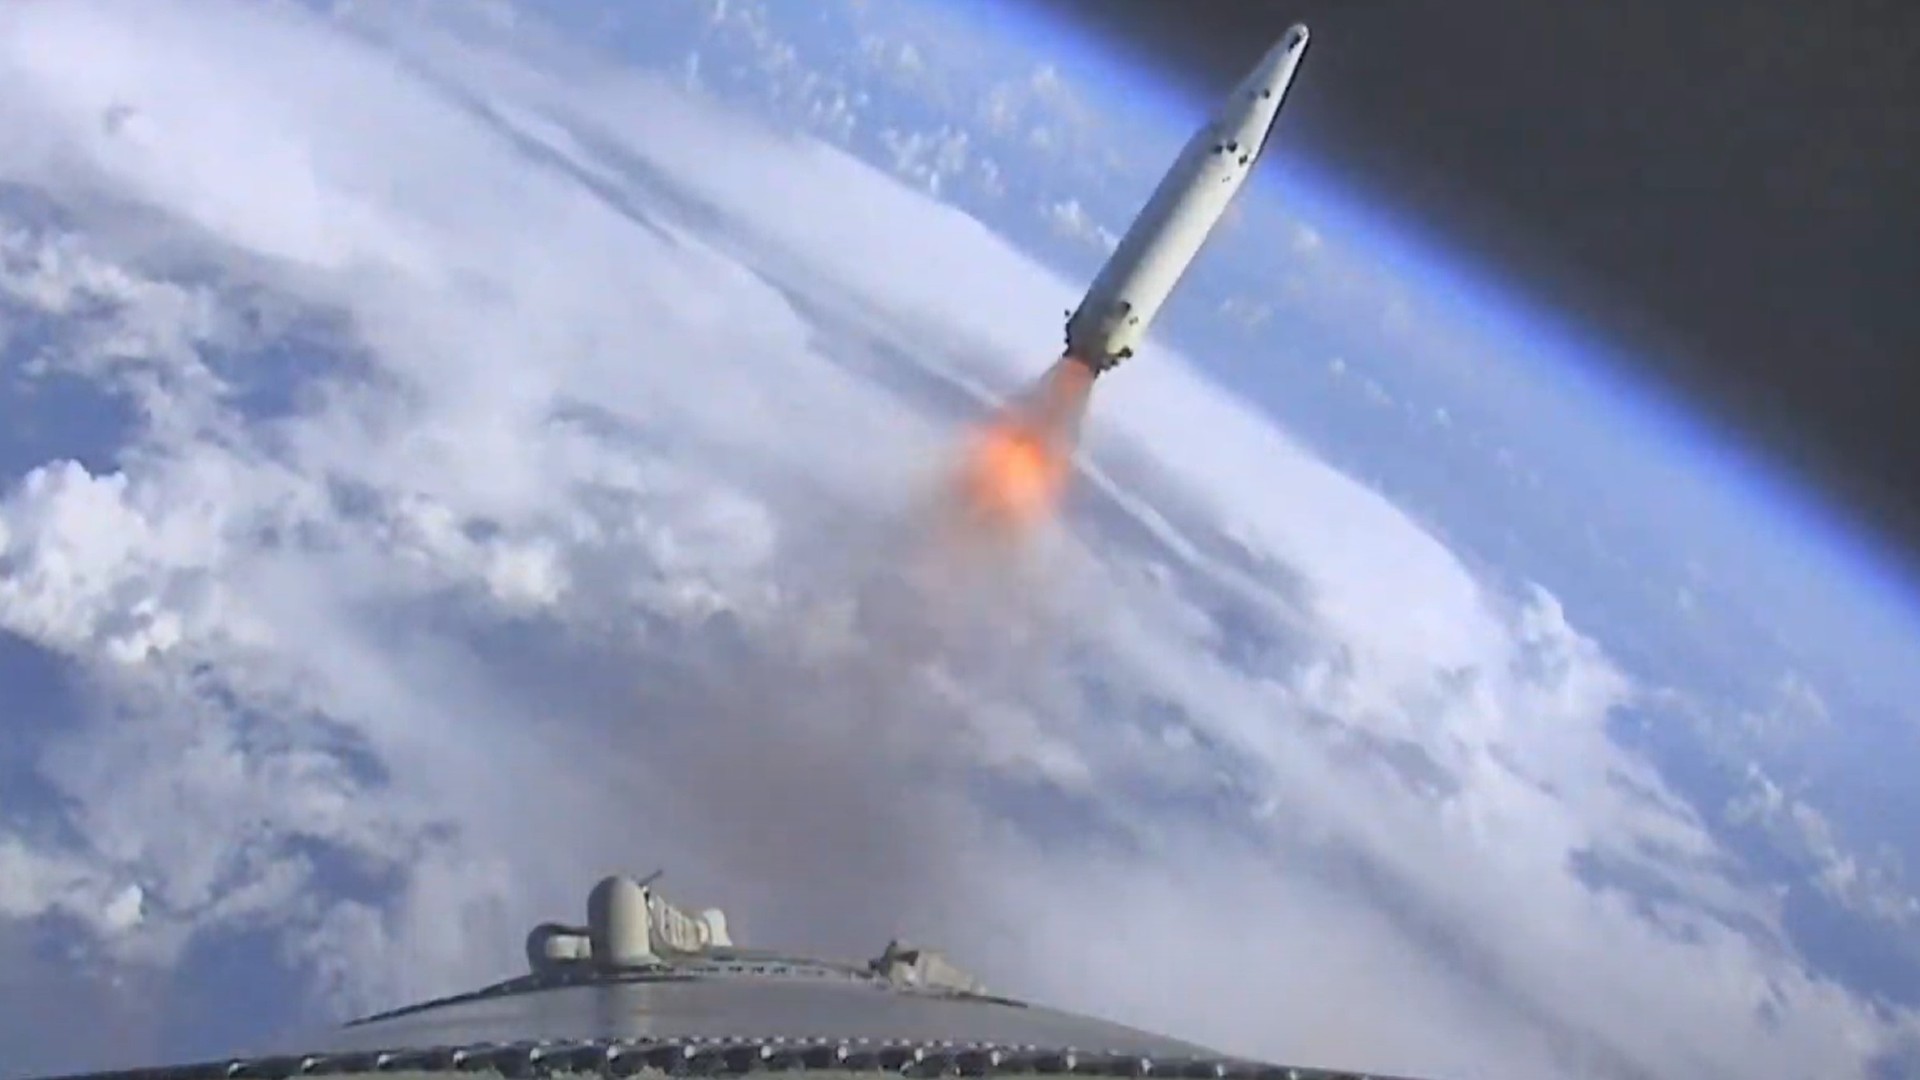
[825,1059]
[740,1007]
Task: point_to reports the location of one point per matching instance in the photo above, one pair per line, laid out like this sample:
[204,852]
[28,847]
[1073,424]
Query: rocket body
[1174,225]
[1018,466]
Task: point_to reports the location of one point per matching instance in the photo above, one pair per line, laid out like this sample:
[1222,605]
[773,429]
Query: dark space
[1730,190]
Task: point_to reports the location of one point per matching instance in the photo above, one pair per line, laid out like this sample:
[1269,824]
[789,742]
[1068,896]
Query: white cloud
[992,183]
[903,56]
[580,550]
[1069,219]
[1248,314]
[929,158]
[1376,394]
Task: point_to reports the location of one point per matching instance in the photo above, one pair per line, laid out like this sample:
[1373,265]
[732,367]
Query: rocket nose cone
[1284,54]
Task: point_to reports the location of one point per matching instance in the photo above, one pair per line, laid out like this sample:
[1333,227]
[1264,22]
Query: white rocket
[1174,225]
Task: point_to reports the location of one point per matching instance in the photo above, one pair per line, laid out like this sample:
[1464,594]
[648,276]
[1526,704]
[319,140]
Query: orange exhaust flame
[1013,476]
[1017,466]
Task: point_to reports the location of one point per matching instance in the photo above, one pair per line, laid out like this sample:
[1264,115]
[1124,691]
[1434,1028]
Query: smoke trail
[819,760]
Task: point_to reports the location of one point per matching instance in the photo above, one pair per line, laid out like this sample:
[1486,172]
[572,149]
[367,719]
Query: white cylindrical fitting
[617,922]
[716,921]
[551,946]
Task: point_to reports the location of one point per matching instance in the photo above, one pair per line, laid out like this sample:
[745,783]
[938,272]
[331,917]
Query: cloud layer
[517,472]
